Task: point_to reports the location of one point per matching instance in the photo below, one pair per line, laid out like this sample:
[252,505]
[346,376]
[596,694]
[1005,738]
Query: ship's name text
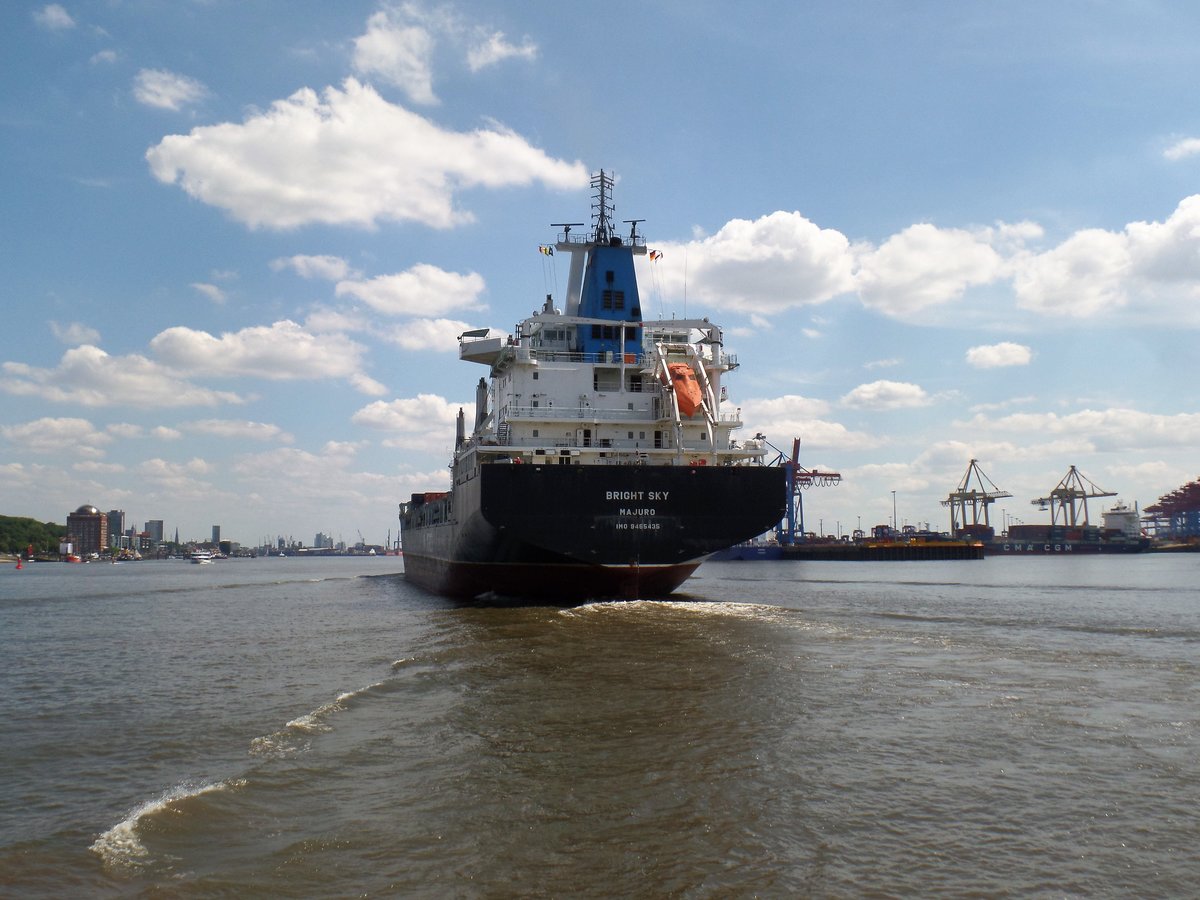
[636,495]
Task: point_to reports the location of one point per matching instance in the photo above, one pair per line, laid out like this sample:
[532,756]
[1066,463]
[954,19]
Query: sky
[239,240]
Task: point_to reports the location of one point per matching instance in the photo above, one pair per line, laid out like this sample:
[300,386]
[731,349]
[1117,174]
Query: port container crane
[975,493]
[1070,499]
[791,529]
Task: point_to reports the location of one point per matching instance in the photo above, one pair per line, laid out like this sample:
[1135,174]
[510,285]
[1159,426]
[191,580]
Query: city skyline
[242,240]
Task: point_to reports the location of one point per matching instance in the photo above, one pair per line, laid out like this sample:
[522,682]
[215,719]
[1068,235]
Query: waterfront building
[116,526]
[154,528]
[87,530]
[216,534]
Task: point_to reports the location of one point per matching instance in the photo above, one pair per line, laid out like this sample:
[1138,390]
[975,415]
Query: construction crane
[975,494]
[799,479]
[1070,498]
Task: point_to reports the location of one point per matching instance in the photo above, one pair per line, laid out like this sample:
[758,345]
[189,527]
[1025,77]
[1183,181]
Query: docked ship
[601,462]
[1069,531]
[1121,533]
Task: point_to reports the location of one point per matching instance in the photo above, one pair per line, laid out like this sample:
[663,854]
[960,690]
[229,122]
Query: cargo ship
[1069,531]
[601,462]
[1121,533]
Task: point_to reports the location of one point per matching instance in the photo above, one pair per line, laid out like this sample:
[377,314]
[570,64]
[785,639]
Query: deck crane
[791,529]
[1070,498]
[975,493]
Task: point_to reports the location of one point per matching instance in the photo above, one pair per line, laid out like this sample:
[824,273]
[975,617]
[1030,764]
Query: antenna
[602,206]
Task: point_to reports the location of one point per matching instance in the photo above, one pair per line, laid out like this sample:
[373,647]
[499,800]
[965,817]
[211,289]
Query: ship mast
[602,207]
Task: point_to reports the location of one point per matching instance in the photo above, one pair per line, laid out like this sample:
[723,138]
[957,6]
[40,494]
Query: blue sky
[240,238]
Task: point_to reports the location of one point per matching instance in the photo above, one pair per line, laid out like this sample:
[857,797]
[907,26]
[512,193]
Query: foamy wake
[690,607]
[121,845]
[295,736]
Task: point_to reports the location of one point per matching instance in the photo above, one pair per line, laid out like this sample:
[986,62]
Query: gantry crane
[975,494]
[1070,497]
[799,479]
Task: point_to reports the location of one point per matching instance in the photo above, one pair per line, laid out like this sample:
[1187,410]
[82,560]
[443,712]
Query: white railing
[613,357]
[584,413]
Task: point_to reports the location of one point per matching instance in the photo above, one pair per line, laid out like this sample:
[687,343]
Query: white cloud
[882,395]
[327,268]
[53,17]
[162,432]
[364,384]
[98,468]
[348,158]
[124,430]
[1182,148]
[104,56]
[1166,255]
[495,48]
[1003,404]
[992,356]
[883,363]
[283,351]
[57,436]
[183,480]
[783,418]
[790,406]
[300,479]
[762,266]
[74,333]
[323,319]
[1102,429]
[925,266]
[89,376]
[239,430]
[166,90]
[211,291]
[421,290]
[424,422]
[1081,277]
[440,335]
[399,53]
[1148,267]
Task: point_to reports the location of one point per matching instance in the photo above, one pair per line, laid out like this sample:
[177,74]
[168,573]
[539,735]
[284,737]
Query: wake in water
[121,845]
[295,736]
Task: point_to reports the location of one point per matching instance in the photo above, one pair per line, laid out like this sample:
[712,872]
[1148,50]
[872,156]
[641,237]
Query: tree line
[18,533]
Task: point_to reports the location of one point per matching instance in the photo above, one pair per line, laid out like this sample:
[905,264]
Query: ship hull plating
[570,533]
[1064,547]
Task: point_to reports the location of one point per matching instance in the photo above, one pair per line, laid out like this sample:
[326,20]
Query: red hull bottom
[543,582]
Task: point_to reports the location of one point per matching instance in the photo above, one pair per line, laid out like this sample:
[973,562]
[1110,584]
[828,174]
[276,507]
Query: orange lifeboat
[687,389]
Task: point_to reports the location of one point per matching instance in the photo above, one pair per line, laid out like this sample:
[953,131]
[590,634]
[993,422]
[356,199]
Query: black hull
[571,533]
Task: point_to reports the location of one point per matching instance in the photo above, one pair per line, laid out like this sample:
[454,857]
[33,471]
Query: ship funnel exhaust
[481,392]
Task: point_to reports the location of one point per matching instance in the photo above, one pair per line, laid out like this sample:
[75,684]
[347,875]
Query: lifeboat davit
[687,389]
